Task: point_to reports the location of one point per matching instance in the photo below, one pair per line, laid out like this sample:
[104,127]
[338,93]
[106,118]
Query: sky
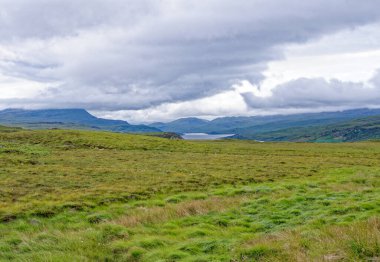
[158,60]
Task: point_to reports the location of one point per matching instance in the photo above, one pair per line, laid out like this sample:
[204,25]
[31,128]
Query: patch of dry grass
[356,242]
[153,215]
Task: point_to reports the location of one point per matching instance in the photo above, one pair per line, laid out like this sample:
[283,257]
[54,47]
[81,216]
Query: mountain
[342,126]
[67,119]
[183,125]
[367,128]
[249,126]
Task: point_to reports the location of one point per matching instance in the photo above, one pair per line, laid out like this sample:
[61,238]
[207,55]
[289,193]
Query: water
[204,136]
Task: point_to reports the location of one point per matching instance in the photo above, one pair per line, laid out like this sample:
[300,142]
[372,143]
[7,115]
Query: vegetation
[6,129]
[168,135]
[347,131]
[99,196]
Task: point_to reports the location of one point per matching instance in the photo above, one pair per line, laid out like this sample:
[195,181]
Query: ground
[99,196]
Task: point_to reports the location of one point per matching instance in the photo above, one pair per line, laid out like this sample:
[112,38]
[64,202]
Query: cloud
[128,55]
[313,93]
[229,103]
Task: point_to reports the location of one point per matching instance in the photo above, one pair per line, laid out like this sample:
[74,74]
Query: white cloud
[312,93]
[229,103]
[296,96]
[349,55]
[19,89]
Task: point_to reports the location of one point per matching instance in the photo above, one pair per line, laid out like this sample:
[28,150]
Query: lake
[204,136]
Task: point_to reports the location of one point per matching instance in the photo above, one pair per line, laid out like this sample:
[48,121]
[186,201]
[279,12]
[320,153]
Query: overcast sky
[157,60]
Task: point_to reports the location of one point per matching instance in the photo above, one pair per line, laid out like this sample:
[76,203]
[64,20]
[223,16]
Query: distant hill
[342,126]
[6,129]
[183,125]
[325,126]
[67,119]
[367,128]
[260,124]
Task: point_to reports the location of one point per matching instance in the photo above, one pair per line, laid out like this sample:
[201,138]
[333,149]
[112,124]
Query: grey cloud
[48,18]
[318,93]
[113,55]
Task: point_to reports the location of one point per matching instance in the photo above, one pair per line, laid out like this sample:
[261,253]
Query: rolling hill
[183,125]
[343,126]
[67,119]
[367,128]
[260,124]
[349,125]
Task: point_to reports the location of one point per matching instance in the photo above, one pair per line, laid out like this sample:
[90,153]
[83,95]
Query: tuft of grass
[98,217]
[135,253]
[356,242]
[256,253]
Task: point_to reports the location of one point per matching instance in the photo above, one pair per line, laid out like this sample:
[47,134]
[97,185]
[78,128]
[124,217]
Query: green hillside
[6,129]
[262,124]
[101,196]
[348,131]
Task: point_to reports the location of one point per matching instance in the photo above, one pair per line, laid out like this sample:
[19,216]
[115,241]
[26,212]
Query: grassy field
[98,196]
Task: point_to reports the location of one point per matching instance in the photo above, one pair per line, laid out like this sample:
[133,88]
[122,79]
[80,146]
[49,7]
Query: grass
[358,241]
[6,129]
[98,196]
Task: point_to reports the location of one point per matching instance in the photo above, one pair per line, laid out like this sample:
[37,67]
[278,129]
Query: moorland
[100,196]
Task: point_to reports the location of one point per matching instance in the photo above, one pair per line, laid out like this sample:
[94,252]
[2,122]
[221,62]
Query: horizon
[160,61]
[193,117]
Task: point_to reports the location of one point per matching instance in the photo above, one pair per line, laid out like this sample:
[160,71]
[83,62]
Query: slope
[66,119]
[347,131]
[259,124]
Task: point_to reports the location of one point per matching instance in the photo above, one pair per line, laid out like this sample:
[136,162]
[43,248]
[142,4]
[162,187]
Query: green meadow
[101,196]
